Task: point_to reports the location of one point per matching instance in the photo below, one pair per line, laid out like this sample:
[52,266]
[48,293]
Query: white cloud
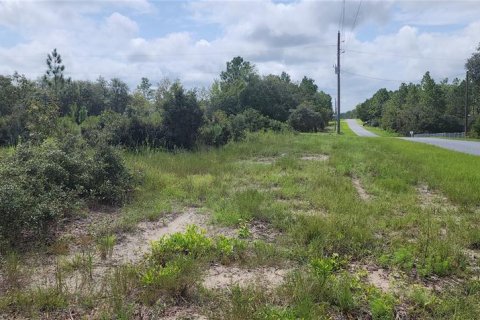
[393,40]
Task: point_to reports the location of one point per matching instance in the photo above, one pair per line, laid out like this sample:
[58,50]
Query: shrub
[40,184]
[216,131]
[304,119]
[109,179]
[382,307]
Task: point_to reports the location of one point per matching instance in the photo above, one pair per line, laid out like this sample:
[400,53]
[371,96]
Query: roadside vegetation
[378,131]
[237,205]
[408,248]
[427,107]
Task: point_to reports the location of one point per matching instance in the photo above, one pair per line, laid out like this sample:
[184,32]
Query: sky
[383,43]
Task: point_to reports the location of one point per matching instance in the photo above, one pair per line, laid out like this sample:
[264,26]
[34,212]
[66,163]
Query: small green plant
[193,242]
[105,246]
[341,292]
[82,262]
[243,230]
[175,278]
[382,307]
[13,270]
[228,249]
[421,297]
[402,257]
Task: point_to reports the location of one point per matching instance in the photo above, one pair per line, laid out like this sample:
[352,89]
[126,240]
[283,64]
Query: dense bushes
[40,184]
[304,119]
[222,128]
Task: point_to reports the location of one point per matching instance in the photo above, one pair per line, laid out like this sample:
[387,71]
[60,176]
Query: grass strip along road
[470,147]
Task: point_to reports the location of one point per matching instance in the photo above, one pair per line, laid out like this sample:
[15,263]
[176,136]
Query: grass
[345,129]
[379,131]
[325,228]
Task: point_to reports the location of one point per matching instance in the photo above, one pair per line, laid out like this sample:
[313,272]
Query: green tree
[145,88]
[182,118]
[473,67]
[119,97]
[54,74]
[238,70]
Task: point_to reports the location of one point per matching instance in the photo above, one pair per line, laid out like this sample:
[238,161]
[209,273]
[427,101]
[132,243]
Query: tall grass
[317,210]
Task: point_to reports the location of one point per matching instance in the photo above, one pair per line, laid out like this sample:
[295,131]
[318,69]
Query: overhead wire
[391,54]
[354,24]
[394,80]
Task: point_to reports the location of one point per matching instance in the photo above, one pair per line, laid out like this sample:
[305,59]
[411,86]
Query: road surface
[358,129]
[471,147]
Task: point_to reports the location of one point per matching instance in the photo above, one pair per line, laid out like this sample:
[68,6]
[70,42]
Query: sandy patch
[357,184]
[129,249]
[262,231]
[259,160]
[379,278]
[375,276]
[315,157]
[221,277]
[136,245]
[180,312]
[432,199]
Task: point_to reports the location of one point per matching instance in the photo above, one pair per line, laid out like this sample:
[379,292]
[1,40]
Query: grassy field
[351,227]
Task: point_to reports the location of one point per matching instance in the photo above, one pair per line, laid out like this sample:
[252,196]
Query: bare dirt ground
[430,198]
[362,193]
[131,248]
[314,157]
[222,277]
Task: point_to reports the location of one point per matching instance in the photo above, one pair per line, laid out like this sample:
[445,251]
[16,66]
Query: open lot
[295,226]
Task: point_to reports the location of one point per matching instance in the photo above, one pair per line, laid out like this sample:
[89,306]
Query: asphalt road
[470,147]
[359,129]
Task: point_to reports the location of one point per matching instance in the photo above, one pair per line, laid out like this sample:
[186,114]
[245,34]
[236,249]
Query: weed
[243,230]
[382,307]
[82,262]
[175,278]
[105,246]
[13,270]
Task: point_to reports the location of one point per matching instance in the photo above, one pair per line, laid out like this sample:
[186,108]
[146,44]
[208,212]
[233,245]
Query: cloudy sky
[386,43]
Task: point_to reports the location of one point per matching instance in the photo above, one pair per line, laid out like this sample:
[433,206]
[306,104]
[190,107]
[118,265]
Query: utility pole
[337,70]
[466,104]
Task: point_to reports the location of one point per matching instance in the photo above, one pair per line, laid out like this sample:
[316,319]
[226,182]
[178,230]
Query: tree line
[167,116]
[66,134]
[427,107]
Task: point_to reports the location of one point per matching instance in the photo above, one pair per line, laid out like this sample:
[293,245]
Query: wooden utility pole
[466,104]
[337,69]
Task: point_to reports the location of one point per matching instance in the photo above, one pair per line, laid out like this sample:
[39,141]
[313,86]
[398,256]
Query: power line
[393,80]
[374,78]
[388,54]
[341,16]
[356,15]
[354,22]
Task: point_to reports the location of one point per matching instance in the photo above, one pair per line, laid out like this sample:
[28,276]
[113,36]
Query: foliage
[54,74]
[241,88]
[182,118]
[424,107]
[304,119]
[194,243]
[41,184]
